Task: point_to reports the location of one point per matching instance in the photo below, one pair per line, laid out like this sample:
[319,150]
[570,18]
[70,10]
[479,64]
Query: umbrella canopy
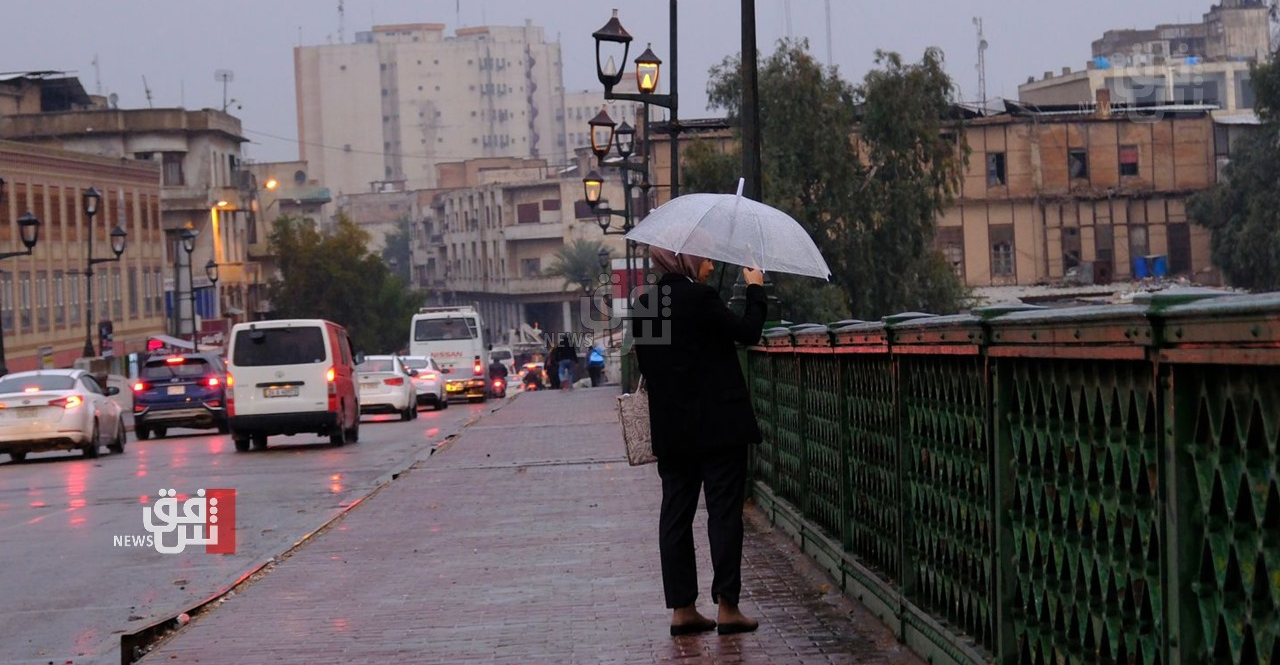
[737,230]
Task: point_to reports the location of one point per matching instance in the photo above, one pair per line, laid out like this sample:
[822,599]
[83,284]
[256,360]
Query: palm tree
[578,263]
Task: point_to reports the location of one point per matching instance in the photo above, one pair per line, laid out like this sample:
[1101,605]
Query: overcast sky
[178,45]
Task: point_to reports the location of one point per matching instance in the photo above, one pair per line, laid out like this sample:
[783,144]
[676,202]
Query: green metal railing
[1083,485]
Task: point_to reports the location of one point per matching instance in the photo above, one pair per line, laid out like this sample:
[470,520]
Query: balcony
[541,231]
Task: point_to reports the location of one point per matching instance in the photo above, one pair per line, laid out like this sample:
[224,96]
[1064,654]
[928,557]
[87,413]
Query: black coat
[698,398]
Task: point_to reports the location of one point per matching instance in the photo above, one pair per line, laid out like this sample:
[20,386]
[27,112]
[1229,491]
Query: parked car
[386,386]
[58,409]
[290,376]
[180,390]
[429,382]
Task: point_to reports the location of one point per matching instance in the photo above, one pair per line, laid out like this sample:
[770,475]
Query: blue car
[183,390]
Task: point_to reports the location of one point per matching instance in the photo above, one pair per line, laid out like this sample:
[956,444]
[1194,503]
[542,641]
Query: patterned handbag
[633,412]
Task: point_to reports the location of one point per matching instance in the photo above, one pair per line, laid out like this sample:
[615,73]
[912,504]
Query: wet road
[69,588]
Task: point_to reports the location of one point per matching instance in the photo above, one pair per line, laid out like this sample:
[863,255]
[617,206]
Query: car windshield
[439,330]
[499,354]
[175,367]
[376,365]
[416,363]
[259,347]
[31,384]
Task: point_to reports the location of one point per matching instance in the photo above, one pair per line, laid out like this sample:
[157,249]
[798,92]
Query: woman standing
[702,422]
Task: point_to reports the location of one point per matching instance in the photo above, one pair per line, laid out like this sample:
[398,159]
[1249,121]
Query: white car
[386,386]
[58,409]
[429,381]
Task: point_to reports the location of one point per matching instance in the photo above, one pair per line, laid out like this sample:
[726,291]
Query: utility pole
[982,63]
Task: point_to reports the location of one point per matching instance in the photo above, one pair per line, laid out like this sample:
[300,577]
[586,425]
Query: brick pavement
[525,540]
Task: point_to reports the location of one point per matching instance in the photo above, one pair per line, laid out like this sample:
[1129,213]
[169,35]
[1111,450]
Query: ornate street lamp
[647,66]
[602,127]
[610,38]
[91,201]
[591,186]
[188,238]
[29,231]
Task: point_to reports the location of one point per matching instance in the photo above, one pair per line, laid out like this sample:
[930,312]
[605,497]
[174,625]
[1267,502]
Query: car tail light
[231,395]
[430,376]
[331,376]
[174,360]
[477,368]
[140,387]
[69,402]
[498,383]
[394,381]
[212,382]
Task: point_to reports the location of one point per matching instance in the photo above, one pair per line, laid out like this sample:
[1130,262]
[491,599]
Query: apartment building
[384,111]
[1186,63]
[1100,191]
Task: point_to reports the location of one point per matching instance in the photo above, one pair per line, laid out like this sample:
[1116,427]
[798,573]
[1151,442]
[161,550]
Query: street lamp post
[188,238]
[90,201]
[29,229]
[211,271]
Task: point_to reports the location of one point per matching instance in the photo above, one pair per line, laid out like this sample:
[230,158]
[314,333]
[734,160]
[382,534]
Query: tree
[576,263]
[1242,213]
[865,169]
[333,276]
[396,251]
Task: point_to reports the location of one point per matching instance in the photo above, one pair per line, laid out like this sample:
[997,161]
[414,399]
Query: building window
[1128,160]
[146,291]
[133,293]
[73,296]
[1078,163]
[1244,92]
[59,300]
[173,176]
[1138,240]
[950,241]
[995,169]
[42,300]
[6,292]
[24,302]
[531,268]
[1002,259]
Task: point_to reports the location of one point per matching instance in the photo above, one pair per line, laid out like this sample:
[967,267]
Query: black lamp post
[29,229]
[211,271]
[90,201]
[188,238]
[608,136]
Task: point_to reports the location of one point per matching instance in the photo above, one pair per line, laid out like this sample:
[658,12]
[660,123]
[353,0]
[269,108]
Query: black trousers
[723,474]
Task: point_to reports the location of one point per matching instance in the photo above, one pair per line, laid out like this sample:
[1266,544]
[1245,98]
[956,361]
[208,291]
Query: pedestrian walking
[595,365]
[702,422]
[567,358]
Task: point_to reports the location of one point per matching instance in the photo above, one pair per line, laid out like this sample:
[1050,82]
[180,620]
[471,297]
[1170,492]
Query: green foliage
[396,252]
[333,276]
[577,262]
[1242,213]
[870,200]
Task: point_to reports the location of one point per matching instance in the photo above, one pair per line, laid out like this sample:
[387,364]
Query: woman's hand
[752,276]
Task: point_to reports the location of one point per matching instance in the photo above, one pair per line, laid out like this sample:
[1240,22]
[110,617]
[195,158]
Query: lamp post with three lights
[188,239]
[90,200]
[29,230]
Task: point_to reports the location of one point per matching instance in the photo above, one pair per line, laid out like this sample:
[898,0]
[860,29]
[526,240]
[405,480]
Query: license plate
[177,390]
[453,387]
[281,391]
[19,413]
[368,386]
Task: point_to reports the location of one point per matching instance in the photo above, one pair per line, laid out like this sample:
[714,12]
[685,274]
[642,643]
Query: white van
[291,376]
[454,338]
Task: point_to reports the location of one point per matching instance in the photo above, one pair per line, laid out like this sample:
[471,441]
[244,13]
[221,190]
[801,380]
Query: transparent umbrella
[737,230]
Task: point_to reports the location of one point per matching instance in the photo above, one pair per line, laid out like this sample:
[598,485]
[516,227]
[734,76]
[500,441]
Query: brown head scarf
[681,264]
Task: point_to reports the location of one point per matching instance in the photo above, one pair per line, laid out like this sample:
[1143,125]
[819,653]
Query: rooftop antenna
[147,89]
[786,15]
[225,76]
[97,76]
[982,62]
[830,60]
[342,24]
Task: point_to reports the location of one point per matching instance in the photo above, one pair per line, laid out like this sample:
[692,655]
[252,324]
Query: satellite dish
[224,76]
[113,99]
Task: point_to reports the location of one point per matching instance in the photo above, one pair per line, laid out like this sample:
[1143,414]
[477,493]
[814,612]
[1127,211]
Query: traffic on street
[82,568]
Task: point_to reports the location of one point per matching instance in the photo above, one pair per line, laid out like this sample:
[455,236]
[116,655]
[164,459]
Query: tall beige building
[382,112]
